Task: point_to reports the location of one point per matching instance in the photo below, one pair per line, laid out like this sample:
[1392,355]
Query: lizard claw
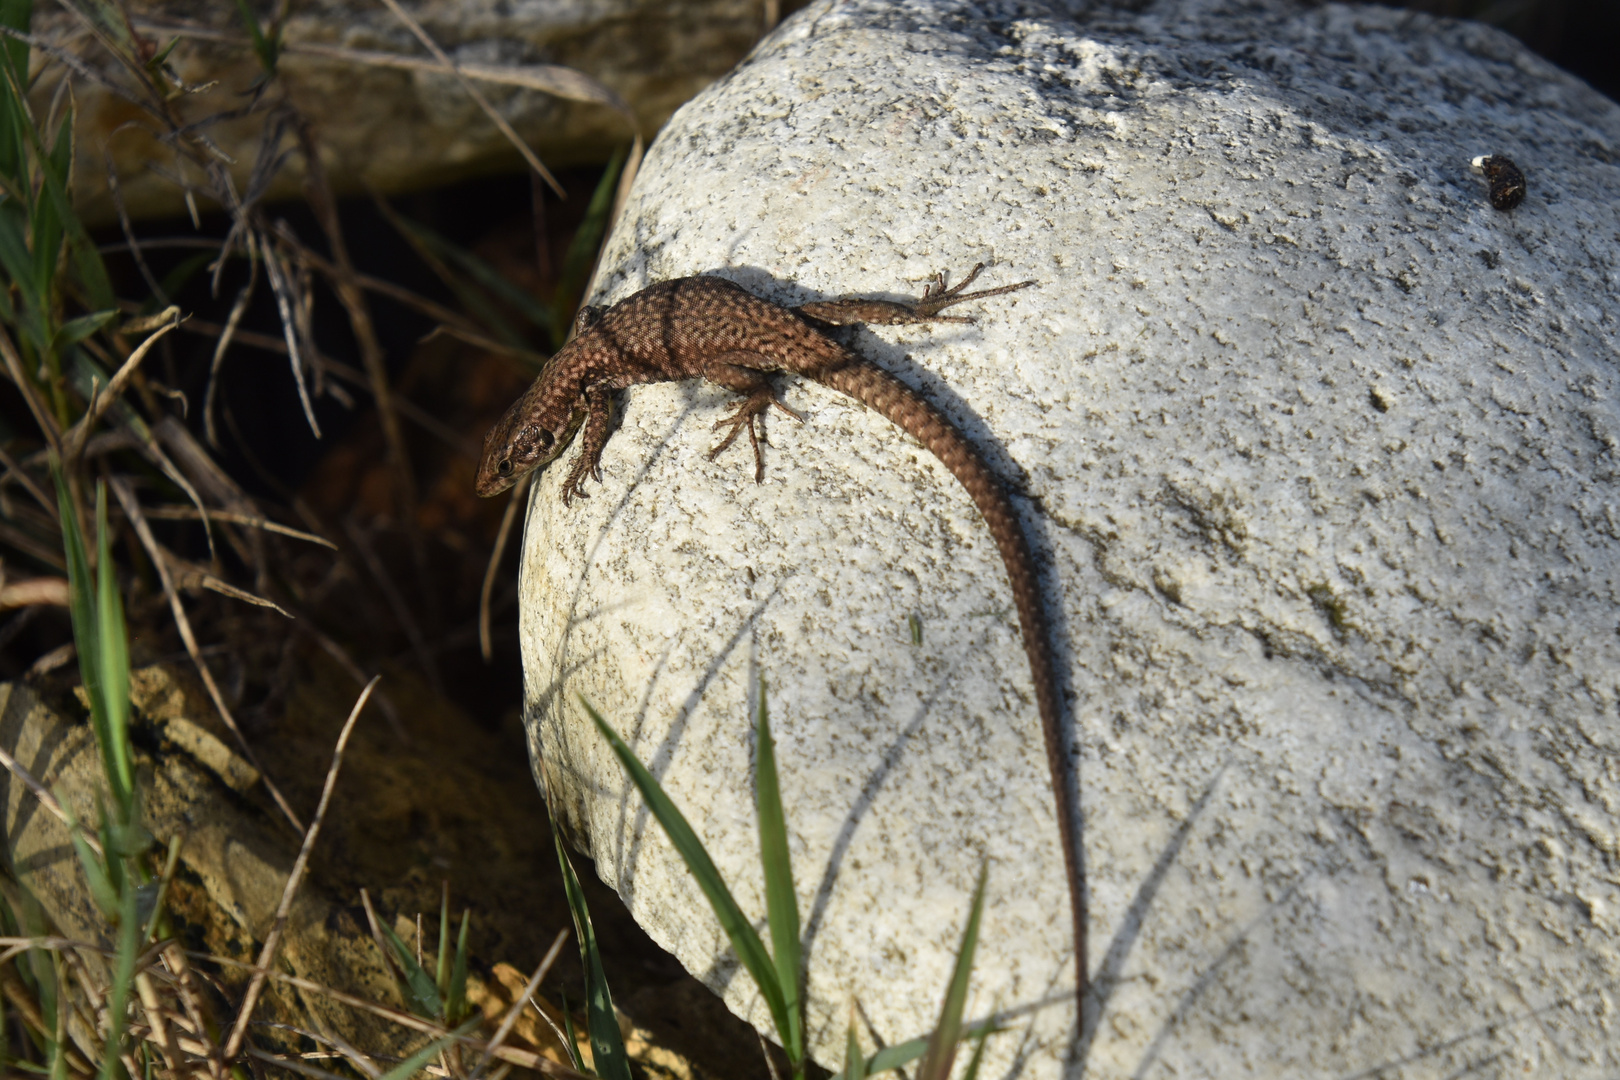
[750,414]
[936,297]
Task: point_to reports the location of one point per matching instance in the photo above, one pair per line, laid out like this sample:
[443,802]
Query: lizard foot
[936,297]
[749,415]
[574,483]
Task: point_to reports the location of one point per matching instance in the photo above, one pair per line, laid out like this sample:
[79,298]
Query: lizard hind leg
[749,413]
[935,299]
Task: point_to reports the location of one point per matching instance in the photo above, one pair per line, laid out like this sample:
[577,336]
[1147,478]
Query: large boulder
[1320,450]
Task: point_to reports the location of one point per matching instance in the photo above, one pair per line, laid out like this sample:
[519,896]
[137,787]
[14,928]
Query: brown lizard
[709,327]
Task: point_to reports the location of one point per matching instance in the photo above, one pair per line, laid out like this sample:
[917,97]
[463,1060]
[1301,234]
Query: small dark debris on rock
[1507,182]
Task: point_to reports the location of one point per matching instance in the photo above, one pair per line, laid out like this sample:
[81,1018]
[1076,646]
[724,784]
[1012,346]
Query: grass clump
[778,972]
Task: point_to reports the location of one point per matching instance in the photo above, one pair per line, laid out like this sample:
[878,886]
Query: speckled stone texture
[1320,450]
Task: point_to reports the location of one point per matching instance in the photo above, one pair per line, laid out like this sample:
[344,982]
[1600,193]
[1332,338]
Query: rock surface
[389,129]
[1322,451]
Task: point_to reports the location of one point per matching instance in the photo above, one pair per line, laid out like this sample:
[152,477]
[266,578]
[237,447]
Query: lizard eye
[505,467]
[546,439]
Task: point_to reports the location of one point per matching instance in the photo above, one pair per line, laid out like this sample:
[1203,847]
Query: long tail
[911,413]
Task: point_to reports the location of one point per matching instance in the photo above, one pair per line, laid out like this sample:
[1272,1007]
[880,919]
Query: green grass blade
[582,250]
[902,1054]
[57,1020]
[178,278]
[854,1060]
[972,1071]
[47,223]
[16,14]
[268,50]
[608,1058]
[76,330]
[109,19]
[113,656]
[491,278]
[129,943]
[574,1056]
[102,889]
[422,996]
[744,941]
[81,598]
[435,249]
[415,1063]
[55,172]
[455,1003]
[781,902]
[441,970]
[948,1032]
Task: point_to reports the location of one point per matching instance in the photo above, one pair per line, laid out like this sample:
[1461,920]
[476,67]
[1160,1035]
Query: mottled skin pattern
[711,328]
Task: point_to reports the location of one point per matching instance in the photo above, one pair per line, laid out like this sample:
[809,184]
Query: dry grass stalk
[477,95]
[99,403]
[47,800]
[272,940]
[132,510]
[517,1006]
[508,519]
[186,513]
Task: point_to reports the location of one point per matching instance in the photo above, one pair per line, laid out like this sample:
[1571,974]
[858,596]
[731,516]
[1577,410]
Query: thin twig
[13,469]
[226,334]
[354,303]
[517,1006]
[132,510]
[294,1065]
[163,1034]
[432,310]
[476,94]
[372,356]
[115,388]
[519,490]
[361,1061]
[47,800]
[522,1058]
[42,416]
[174,958]
[272,940]
[188,513]
[135,251]
[275,273]
[488,344]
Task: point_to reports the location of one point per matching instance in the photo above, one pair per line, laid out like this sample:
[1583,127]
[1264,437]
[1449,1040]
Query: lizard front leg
[732,371]
[935,298]
[598,413]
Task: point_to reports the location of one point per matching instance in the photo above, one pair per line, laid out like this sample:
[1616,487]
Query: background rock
[1322,451]
[397,130]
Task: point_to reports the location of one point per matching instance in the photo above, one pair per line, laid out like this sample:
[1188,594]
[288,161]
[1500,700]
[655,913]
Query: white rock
[1325,454]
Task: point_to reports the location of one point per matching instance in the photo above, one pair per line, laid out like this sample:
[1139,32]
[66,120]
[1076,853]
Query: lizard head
[523,442]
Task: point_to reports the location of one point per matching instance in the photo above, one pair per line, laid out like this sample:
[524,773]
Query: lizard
[709,327]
